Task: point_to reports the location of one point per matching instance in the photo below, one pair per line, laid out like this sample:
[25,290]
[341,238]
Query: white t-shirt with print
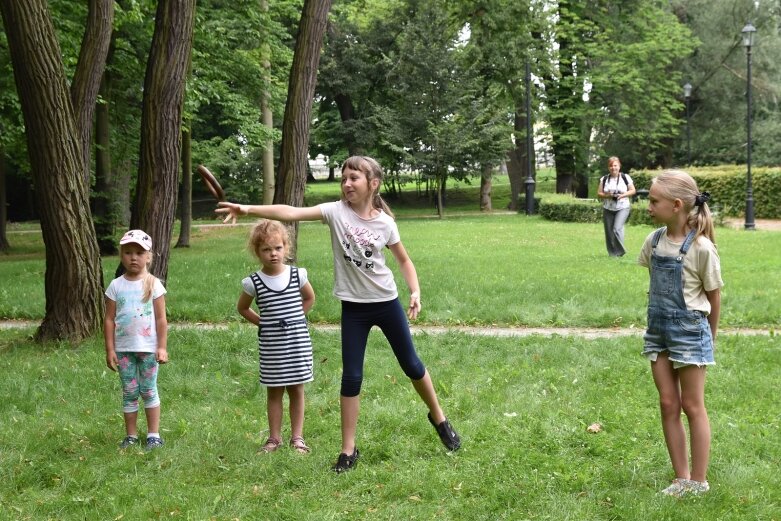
[701,268]
[134,323]
[360,270]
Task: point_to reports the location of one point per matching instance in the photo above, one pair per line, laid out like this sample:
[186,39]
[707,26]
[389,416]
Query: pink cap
[139,237]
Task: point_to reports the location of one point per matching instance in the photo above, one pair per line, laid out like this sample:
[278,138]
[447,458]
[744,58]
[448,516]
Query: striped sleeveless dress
[284,345]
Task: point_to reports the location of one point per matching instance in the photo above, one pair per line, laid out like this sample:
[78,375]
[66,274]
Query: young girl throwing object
[361,227]
[683,316]
[283,295]
[135,330]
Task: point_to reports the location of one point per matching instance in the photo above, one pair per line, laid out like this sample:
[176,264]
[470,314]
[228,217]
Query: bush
[727,186]
[564,208]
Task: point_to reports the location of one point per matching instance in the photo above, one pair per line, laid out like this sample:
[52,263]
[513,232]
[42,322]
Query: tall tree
[89,71]
[161,122]
[74,279]
[291,178]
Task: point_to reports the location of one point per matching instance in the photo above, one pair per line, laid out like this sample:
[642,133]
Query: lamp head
[687,90]
[748,32]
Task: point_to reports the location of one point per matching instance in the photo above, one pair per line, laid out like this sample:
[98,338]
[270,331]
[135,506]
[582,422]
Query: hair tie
[701,199]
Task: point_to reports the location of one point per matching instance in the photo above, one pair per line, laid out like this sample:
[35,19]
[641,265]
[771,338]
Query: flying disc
[211,183]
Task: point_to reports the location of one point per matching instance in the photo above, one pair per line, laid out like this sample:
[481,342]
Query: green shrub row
[726,184]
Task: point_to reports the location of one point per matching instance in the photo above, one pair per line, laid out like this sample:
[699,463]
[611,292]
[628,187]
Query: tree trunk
[292,172]
[486,181]
[89,71]
[105,213]
[74,278]
[267,119]
[186,199]
[154,208]
[515,159]
[4,246]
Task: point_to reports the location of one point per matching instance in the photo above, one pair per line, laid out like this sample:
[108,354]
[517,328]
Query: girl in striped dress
[283,295]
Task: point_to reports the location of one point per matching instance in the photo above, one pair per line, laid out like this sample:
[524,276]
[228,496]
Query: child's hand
[414,306]
[112,361]
[162,355]
[231,211]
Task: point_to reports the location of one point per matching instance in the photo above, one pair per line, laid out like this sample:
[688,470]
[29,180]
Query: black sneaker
[447,434]
[129,441]
[345,462]
[153,443]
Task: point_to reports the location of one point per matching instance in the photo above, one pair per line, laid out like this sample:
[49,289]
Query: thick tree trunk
[161,122]
[186,199]
[486,182]
[89,71]
[292,173]
[4,246]
[267,118]
[74,279]
[105,213]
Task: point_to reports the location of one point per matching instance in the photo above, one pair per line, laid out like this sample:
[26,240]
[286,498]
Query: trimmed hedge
[726,184]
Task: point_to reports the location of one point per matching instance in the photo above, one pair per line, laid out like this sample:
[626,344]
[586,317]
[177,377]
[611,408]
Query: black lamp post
[529,144]
[748,40]
[687,94]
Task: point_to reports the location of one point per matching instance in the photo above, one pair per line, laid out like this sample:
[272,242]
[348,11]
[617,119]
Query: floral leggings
[138,373]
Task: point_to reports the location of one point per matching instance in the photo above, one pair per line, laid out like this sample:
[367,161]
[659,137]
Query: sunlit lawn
[522,405]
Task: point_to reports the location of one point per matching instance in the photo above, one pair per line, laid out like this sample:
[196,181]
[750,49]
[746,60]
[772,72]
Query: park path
[497,331]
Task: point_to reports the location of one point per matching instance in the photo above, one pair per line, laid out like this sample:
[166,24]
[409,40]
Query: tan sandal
[297,443]
[271,445]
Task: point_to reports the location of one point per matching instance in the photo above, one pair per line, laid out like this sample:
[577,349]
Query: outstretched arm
[410,275]
[278,212]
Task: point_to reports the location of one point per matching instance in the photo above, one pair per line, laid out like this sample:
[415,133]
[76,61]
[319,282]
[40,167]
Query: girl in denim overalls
[683,314]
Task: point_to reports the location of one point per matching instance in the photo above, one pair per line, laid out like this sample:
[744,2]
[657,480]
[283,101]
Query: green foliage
[521,405]
[727,186]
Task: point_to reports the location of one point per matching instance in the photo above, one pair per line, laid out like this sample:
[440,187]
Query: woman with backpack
[615,190]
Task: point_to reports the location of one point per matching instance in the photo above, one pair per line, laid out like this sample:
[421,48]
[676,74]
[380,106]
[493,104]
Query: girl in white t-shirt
[135,331]
[362,226]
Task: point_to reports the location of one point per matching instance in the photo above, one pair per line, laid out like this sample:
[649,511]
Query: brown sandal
[271,445]
[297,443]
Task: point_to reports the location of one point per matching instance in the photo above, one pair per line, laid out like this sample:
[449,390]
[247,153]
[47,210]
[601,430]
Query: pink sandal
[271,445]
[297,443]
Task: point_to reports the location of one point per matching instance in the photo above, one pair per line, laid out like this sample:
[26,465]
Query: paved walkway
[584,332]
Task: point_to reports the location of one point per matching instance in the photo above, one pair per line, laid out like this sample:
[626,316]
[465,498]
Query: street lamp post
[748,40]
[529,144]
[687,94]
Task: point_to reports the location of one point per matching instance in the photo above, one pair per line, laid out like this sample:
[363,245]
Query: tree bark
[154,208]
[292,173]
[105,211]
[4,246]
[186,199]
[74,278]
[486,182]
[89,71]
[267,118]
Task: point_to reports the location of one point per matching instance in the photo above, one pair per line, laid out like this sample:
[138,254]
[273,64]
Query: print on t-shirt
[359,246]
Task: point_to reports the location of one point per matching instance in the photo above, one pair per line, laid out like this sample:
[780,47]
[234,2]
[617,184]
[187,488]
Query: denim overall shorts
[684,334]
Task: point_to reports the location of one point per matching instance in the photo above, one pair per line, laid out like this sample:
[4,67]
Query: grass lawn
[521,405]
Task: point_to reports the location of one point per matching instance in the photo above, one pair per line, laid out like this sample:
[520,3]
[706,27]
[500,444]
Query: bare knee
[670,406]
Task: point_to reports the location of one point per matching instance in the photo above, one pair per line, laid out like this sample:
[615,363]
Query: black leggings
[357,320]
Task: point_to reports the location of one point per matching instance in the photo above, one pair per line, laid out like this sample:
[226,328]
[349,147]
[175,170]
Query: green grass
[502,269]
[522,406]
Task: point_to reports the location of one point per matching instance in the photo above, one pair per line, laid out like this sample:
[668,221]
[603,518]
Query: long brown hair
[372,169]
[677,184]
